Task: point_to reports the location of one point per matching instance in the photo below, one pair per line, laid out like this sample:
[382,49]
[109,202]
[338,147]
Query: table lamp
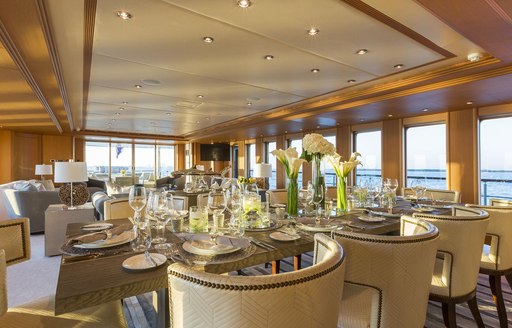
[71,172]
[44,169]
[263,170]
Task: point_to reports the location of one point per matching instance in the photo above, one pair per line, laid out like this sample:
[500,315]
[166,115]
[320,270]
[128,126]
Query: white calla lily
[290,160]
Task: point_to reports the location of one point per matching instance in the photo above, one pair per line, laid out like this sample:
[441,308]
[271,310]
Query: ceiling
[73,66]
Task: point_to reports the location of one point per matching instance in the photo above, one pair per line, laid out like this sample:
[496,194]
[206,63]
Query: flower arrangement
[244,180]
[289,158]
[315,144]
[342,170]
[123,172]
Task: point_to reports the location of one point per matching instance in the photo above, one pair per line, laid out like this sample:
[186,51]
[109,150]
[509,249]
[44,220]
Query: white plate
[97,226]
[423,209]
[316,227]
[386,214]
[206,247]
[139,262]
[281,236]
[116,240]
[371,218]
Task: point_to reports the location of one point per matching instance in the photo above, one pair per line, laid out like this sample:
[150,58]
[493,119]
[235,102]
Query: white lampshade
[70,172]
[262,170]
[44,169]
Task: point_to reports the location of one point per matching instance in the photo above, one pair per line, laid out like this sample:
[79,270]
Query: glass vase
[341,193]
[317,177]
[292,188]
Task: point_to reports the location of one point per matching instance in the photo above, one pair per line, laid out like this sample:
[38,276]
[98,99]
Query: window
[165,160]
[271,159]
[234,156]
[97,158]
[297,143]
[330,176]
[145,163]
[369,145]
[251,159]
[121,163]
[495,159]
[426,155]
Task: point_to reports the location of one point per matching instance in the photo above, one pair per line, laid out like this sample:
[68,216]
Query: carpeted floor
[38,277]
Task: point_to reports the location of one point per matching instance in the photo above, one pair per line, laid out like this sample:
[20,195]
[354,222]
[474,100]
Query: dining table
[92,279]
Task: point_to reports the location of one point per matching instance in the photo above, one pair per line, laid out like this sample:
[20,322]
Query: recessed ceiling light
[362,51]
[200,96]
[351,81]
[150,82]
[117,114]
[425,109]
[124,15]
[197,122]
[268,57]
[474,57]
[313,31]
[390,115]
[399,66]
[249,104]
[361,120]
[121,108]
[285,131]
[138,86]
[244,3]
[338,123]
[315,70]
[300,129]
[125,103]
[469,102]
[208,39]
[168,114]
[318,126]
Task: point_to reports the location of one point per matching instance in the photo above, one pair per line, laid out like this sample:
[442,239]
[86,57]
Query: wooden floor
[140,314]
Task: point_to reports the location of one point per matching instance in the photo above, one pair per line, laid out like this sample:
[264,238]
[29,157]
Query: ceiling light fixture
[318,126]
[208,39]
[390,115]
[197,122]
[425,109]
[249,104]
[244,3]
[117,114]
[361,120]
[469,102]
[138,86]
[168,114]
[362,51]
[300,129]
[124,15]
[200,96]
[125,103]
[315,70]
[351,81]
[121,108]
[399,66]
[474,57]
[268,57]
[313,31]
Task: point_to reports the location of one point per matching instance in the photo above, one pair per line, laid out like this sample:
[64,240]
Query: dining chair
[180,202]
[387,278]
[15,248]
[117,209]
[443,195]
[496,259]
[457,264]
[276,196]
[305,298]
[500,202]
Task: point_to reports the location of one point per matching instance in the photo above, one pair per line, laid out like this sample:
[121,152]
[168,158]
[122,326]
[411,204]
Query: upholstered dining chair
[276,196]
[500,202]
[117,209]
[443,195]
[496,260]
[15,248]
[455,275]
[305,298]
[180,202]
[387,278]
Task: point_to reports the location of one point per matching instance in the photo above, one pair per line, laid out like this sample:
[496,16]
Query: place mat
[69,249]
[273,225]
[178,254]
[310,224]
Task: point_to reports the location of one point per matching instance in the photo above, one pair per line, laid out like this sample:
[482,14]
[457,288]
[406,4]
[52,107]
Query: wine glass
[318,196]
[141,241]
[217,200]
[160,205]
[137,200]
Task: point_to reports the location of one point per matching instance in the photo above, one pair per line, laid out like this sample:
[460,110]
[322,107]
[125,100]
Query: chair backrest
[461,240]
[304,298]
[15,240]
[500,202]
[387,279]
[3,284]
[180,202]
[202,200]
[117,209]
[500,232]
[276,196]
[444,195]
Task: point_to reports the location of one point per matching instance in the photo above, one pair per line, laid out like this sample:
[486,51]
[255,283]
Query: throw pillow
[48,185]
[113,188]
[24,186]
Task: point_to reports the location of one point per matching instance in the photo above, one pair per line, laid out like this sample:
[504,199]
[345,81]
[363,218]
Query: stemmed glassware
[137,200]
[318,196]
[162,204]
[217,202]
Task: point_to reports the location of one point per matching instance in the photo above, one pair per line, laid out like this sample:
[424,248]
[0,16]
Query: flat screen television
[215,152]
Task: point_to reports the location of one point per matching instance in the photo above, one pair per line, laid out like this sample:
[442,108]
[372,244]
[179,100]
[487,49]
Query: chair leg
[449,315]
[473,306]
[276,266]
[509,279]
[497,296]
[297,261]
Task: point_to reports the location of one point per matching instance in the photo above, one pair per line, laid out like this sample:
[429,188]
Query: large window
[98,157]
[495,159]
[121,164]
[145,163]
[165,160]
[297,143]
[271,159]
[426,156]
[369,145]
[251,158]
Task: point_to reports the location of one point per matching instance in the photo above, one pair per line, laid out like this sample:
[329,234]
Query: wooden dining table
[88,281]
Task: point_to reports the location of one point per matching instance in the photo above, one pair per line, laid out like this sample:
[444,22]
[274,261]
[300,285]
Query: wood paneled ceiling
[73,66]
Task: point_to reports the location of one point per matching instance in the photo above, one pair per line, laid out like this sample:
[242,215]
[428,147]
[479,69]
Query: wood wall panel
[79,153]
[26,154]
[6,156]
[462,159]
[280,174]
[57,147]
[179,157]
[392,150]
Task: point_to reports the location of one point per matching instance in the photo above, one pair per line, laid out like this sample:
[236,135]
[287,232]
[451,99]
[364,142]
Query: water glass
[141,236]
[328,209]
[198,219]
[237,224]
[137,200]
[160,205]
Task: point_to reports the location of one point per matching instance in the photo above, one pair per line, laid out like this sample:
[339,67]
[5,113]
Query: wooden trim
[426,120]
[89,21]
[367,127]
[495,111]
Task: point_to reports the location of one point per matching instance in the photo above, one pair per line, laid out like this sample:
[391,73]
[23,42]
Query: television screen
[215,152]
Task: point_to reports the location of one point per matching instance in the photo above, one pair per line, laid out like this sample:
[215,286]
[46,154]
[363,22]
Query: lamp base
[79,197]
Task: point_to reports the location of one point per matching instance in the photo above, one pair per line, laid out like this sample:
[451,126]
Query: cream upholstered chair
[15,248]
[496,260]
[387,278]
[305,298]
[180,202]
[276,196]
[443,195]
[500,202]
[455,276]
[117,209]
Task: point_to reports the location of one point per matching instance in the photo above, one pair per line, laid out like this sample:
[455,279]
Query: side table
[56,219]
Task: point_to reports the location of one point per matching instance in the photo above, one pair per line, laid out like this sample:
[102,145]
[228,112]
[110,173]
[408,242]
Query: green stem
[292,188]
[341,193]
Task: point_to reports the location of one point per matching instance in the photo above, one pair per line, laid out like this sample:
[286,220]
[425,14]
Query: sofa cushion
[25,186]
[48,185]
[96,183]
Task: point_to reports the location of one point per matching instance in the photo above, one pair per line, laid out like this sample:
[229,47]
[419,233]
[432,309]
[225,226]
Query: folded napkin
[102,235]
